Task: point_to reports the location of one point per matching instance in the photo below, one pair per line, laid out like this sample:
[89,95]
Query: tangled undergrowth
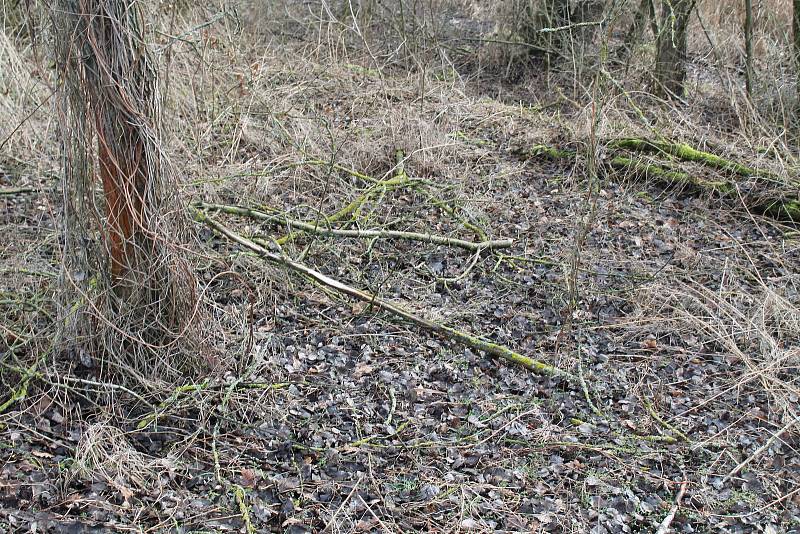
[672,307]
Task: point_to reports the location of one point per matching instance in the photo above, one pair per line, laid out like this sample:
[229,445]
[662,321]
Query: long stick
[473,246]
[444,331]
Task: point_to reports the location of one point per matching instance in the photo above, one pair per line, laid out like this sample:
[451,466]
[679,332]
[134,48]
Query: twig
[571,26]
[362,234]
[400,180]
[190,388]
[244,509]
[103,385]
[658,419]
[761,449]
[443,331]
[329,526]
[663,528]
[20,393]
[8,191]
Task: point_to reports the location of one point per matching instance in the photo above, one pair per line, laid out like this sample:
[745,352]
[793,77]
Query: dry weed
[104,454]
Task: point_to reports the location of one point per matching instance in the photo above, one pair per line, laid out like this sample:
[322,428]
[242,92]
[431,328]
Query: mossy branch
[244,509]
[380,186]
[363,234]
[399,180]
[778,208]
[685,152]
[20,393]
[671,176]
[550,152]
[781,209]
[446,332]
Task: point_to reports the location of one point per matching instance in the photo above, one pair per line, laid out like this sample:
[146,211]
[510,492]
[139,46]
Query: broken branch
[364,234]
[443,331]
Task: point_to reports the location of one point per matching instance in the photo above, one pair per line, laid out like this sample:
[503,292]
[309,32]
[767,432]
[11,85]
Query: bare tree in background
[748,47]
[127,291]
[556,27]
[671,44]
[645,14]
[796,34]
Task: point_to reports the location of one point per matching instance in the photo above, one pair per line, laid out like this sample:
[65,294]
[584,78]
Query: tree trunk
[644,14]
[122,268]
[796,32]
[670,70]
[748,47]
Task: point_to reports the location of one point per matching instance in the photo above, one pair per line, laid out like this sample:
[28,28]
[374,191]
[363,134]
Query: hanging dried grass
[129,297]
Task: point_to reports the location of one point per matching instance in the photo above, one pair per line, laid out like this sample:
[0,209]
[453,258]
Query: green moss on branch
[671,176]
[685,152]
[444,331]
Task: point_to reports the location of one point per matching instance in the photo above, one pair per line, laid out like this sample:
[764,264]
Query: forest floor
[674,313]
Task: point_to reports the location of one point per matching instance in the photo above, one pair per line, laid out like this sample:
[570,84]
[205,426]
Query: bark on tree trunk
[111,81]
[644,14]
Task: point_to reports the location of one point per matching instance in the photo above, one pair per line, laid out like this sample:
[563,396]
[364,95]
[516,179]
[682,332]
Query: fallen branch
[399,180]
[443,331]
[364,234]
[782,209]
[551,152]
[678,435]
[671,176]
[8,191]
[779,208]
[451,211]
[685,152]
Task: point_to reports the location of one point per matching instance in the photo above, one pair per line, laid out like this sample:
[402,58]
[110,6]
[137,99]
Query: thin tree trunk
[634,33]
[127,290]
[671,44]
[110,80]
[796,32]
[748,47]
[644,14]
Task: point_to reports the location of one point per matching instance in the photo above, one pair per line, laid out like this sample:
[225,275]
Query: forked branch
[444,331]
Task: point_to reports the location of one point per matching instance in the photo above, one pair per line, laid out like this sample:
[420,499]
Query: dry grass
[757,333]
[104,454]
